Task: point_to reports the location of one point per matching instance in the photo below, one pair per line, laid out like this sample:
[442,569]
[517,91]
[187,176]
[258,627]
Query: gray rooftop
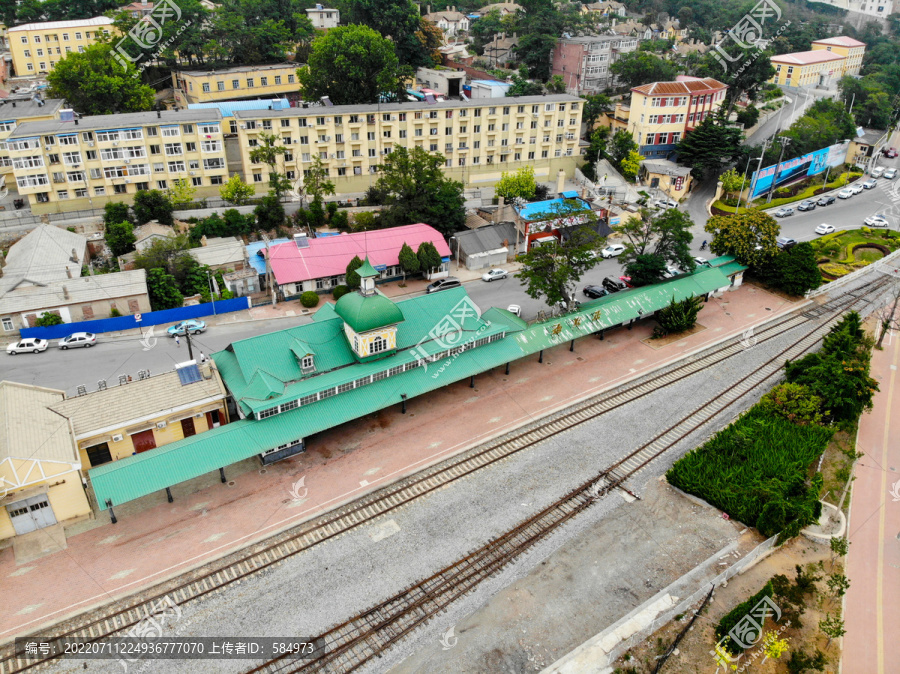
[77,290]
[488,237]
[20,108]
[371,108]
[665,167]
[44,255]
[239,69]
[590,39]
[121,121]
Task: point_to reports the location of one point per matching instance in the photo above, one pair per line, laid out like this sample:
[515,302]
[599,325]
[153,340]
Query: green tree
[551,272]
[309,299]
[535,49]
[640,67]
[520,183]
[46,320]
[181,192]
[823,123]
[429,258]
[832,626]
[844,384]
[153,205]
[795,270]
[840,546]
[652,243]
[352,278]
[120,238]
[236,191]
[398,20]
[838,584]
[522,86]
[801,662]
[631,164]
[351,65]
[315,181]
[595,106]
[645,269]
[409,261]
[93,83]
[794,402]
[749,116]
[416,190]
[556,85]
[750,236]
[162,253]
[731,181]
[115,212]
[269,214]
[709,146]
[163,290]
[677,317]
[267,152]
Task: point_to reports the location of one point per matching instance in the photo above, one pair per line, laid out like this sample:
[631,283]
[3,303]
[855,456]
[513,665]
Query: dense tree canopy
[397,20]
[710,146]
[640,67]
[552,272]
[750,236]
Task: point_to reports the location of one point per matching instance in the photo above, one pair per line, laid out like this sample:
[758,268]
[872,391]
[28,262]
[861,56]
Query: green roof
[367,313]
[367,269]
[732,268]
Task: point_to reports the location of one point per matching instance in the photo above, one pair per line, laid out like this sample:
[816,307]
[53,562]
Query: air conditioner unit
[127,181]
[90,143]
[127,161]
[393,118]
[115,143]
[117,438]
[244,126]
[199,415]
[332,156]
[193,173]
[161,424]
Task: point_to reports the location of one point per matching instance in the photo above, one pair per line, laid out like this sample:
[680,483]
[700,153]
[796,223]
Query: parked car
[890,174]
[494,274]
[785,242]
[76,339]
[29,345]
[856,188]
[889,152]
[845,193]
[784,212]
[807,205]
[613,284]
[672,270]
[701,261]
[827,200]
[664,203]
[877,220]
[595,292]
[443,284]
[877,172]
[824,229]
[193,326]
[612,250]
[870,184]
[515,309]
[561,305]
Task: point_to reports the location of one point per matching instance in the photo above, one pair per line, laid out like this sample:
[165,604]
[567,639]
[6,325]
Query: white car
[845,193]
[612,250]
[877,220]
[672,270]
[890,174]
[856,188]
[701,261]
[824,229]
[78,339]
[870,184]
[515,309]
[494,274]
[877,172]
[29,345]
[664,204]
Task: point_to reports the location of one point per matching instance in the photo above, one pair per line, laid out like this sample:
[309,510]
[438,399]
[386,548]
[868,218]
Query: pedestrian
[202,357]
[177,340]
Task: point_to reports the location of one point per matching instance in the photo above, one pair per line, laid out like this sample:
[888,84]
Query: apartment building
[583,62]
[852,51]
[323,18]
[661,113]
[807,68]
[17,111]
[479,139]
[37,47]
[85,163]
[243,82]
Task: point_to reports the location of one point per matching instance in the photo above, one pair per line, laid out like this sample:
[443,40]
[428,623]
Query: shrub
[47,319]
[677,317]
[331,208]
[793,402]
[735,615]
[339,291]
[309,299]
[114,313]
[340,220]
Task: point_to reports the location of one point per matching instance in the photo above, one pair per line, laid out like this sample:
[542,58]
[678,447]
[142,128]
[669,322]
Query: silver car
[77,339]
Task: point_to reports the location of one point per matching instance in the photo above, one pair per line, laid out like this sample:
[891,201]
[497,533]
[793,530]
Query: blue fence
[148,319]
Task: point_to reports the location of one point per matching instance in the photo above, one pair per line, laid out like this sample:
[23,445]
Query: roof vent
[301,240]
[123,379]
[101,384]
[143,374]
[81,390]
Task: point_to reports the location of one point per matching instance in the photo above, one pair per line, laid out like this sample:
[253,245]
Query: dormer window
[378,345]
[307,364]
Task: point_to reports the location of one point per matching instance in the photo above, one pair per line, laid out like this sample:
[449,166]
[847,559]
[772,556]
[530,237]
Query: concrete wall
[66,496]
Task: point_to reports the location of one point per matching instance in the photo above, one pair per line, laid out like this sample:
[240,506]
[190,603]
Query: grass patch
[841,250]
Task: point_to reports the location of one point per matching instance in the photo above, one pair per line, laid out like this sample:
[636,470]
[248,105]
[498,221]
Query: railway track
[352,644]
[121,616]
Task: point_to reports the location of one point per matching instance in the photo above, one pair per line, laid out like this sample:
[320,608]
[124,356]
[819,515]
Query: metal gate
[31,514]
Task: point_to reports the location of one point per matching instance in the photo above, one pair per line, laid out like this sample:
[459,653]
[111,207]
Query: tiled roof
[805,58]
[330,255]
[840,41]
[28,429]
[138,401]
[687,86]
[227,108]
[78,290]
[59,25]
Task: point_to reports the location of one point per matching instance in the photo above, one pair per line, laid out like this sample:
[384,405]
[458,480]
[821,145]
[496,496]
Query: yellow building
[36,47]
[40,472]
[661,113]
[204,86]
[479,138]
[16,111]
[666,176]
[147,412]
[807,68]
[87,162]
[852,51]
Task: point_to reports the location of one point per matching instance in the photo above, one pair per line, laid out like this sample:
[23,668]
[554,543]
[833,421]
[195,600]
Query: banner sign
[808,165]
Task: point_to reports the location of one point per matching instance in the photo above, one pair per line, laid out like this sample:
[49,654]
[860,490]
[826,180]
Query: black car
[595,292]
[807,206]
[785,242]
[825,201]
[614,285]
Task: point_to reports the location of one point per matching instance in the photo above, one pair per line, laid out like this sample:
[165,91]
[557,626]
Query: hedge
[309,299]
[735,615]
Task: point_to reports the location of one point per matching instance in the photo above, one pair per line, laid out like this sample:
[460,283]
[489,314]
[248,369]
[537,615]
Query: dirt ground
[695,652]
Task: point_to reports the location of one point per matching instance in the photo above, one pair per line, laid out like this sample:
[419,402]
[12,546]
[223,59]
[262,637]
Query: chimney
[74,257]
[159,114]
[560,180]
[76,121]
[498,214]
[68,272]
[65,292]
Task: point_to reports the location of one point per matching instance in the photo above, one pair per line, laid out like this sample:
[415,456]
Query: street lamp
[785,141]
[211,292]
[762,155]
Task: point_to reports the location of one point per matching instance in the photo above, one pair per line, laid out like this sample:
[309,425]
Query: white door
[31,514]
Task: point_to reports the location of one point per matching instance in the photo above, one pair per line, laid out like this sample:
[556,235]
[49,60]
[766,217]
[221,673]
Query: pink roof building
[327,257]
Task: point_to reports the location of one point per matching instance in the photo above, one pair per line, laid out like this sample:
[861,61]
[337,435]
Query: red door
[143,441]
[187,427]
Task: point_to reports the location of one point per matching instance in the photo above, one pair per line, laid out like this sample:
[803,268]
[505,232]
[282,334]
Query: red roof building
[321,263]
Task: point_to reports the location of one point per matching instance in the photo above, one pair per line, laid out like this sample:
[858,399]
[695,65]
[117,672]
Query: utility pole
[187,336]
[212,293]
[269,273]
[784,143]
[762,154]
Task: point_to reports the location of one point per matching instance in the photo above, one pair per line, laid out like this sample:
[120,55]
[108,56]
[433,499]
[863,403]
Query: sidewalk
[155,540]
[871,609]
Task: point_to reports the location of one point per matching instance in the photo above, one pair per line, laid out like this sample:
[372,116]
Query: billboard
[800,167]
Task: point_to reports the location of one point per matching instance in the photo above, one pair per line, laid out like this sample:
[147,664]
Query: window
[170,131]
[171,148]
[81,193]
[120,189]
[216,180]
[206,88]
[277,79]
[220,86]
[235,84]
[72,157]
[257,177]
[176,166]
[196,182]
[188,128]
[190,147]
[28,53]
[212,164]
[8,324]
[99,191]
[211,146]
[263,81]
[290,79]
[249,82]
[378,345]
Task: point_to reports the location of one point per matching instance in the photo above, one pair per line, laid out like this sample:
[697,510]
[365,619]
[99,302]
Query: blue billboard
[800,167]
